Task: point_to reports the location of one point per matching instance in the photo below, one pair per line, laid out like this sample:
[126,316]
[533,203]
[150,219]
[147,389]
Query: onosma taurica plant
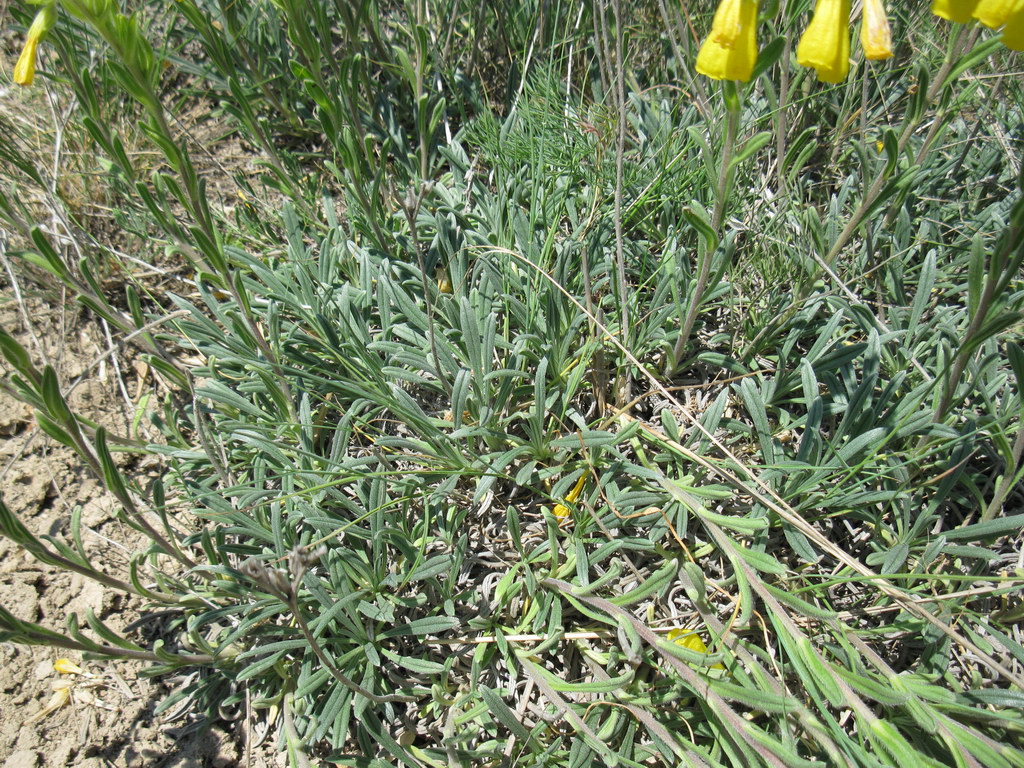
[553,384]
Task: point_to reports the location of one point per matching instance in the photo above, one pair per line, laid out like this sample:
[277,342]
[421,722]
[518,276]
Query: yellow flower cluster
[1008,14]
[730,50]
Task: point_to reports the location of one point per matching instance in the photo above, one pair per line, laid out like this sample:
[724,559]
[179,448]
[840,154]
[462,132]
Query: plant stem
[624,380]
[905,135]
[718,216]
[781,121]
[53,640]
[871,196]
[411,207]
[338,675]
[994,286]
[1008,479]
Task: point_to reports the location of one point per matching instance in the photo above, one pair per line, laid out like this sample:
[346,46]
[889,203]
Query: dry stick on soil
[767,496]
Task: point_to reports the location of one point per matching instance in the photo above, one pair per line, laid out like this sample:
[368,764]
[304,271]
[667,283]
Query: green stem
[874,190]
[718,216]
[782,119]
[1007,481]
[338,675]
[55,640]
[965,351]
[624,381]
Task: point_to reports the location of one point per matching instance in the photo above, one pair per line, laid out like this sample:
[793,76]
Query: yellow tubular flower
[730,51]
[825,44]
[995,13]
[874,31]
[25,69]
[959,11]
[561,510]
[1013,32]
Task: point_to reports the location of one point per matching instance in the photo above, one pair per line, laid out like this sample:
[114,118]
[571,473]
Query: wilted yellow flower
[730,51]
[960,11]
[444,285]
[25,69]
[874,31]
[995,13]
[561,510]
[61,696]
[825,44]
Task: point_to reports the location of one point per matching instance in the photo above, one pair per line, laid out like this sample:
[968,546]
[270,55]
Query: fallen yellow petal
[67,667]
[60,697]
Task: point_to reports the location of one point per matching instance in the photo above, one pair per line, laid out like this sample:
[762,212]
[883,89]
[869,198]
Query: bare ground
[109,719]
